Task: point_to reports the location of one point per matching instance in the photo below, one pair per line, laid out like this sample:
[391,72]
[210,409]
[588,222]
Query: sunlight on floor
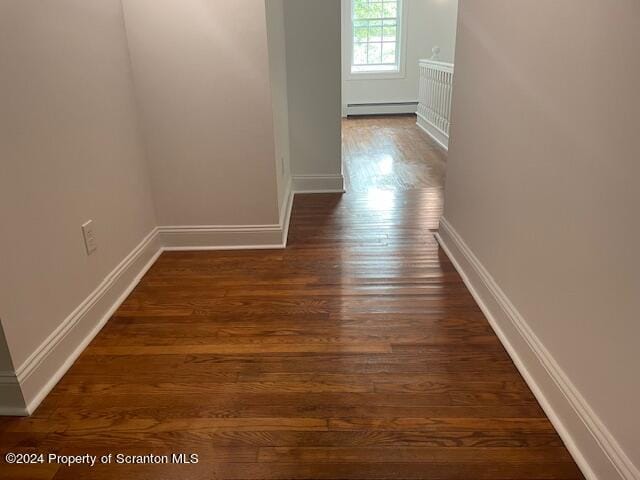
[385,165]
[390,153]
[380,200]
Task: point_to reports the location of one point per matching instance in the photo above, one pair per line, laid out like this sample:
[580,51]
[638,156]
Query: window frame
[347,15]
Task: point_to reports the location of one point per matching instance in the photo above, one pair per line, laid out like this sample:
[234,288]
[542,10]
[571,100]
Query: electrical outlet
[89,237]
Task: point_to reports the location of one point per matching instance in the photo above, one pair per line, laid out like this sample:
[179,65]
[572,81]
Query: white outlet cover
[89,237]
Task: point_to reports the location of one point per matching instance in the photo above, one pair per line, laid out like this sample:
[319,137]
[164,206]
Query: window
[376,32]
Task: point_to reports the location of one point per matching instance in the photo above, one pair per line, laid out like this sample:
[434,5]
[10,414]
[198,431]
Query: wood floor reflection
[390,153]
[355,353]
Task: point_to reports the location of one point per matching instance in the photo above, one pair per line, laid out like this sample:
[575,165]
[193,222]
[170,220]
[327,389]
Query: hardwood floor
[390,153]
[356,353]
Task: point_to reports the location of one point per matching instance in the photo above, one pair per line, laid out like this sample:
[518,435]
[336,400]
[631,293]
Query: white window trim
[347,33]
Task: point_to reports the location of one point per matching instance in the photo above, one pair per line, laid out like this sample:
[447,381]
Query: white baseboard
[440,137]
[592,446]
[388,108]
[229,237]
[204,237]
[285,213]
[318,183]
[45,367]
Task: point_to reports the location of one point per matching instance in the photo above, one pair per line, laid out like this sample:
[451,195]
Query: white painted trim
[318,183]
[220,237]
[39,373]
[376,75]
[438,136]
[592,446]
[213,248]
[229,237]
[285,214]
[382,108]
[444,66]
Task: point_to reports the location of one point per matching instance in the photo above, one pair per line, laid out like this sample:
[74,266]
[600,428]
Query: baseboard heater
[381,108]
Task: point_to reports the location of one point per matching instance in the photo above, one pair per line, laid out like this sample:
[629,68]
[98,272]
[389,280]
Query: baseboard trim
[318,183]
[438,136]
[583,432]
[45,367]
[229,237]
[285,214]
[212,237]
[384,108]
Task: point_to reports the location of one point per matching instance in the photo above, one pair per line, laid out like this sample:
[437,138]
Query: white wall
[542,183]
[280,104]
[313,80]
[201,70]
[71,151]
[429,23]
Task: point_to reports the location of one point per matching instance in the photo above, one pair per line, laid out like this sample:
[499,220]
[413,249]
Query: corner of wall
[315,120]
[11,399]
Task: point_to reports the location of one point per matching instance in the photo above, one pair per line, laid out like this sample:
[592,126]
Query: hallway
[357,352]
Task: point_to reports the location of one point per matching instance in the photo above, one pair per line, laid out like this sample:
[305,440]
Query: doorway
[395,107]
